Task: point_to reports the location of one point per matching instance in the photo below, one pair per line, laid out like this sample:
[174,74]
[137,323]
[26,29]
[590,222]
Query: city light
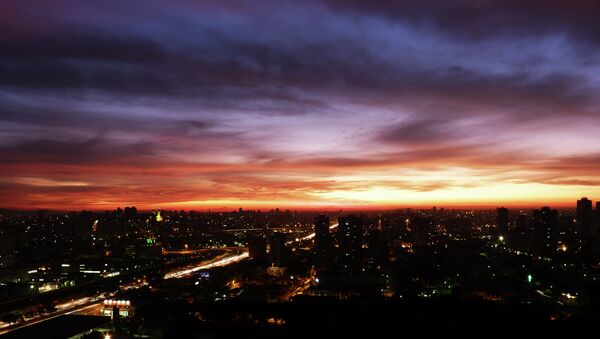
[295,168]
[227,260]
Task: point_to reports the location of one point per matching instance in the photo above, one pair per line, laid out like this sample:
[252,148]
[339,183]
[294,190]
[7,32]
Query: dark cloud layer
[241,101]
[481,19]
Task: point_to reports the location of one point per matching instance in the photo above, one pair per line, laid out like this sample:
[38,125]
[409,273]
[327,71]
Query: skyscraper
[585,216]
[277,249]
[323,249]
[585,224]
[378,250]
[350,239]
[322,236]
[502,221]
[598,214]
[545,224]
[257,247]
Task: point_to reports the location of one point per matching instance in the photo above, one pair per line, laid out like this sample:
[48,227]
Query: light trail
[87,303]
[201,250]
[63,309]
[308,237]
[223,261]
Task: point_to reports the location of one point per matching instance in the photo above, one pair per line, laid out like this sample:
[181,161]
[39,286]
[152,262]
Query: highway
[310,236]
[299,287]
[71,307]
[93,305]
[222,260]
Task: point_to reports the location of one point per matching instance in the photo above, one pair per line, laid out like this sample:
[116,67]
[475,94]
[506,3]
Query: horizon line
[357,208]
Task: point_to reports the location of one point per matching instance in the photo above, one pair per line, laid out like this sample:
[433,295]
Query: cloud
[234,100]
[491,18]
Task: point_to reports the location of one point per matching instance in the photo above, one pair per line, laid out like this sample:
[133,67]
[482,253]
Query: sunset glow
[223,104]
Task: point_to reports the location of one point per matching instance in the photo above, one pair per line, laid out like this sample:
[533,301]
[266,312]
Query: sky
[311,104]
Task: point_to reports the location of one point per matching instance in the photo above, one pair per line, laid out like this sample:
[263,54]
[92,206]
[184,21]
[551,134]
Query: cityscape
[282,169]
[170,273]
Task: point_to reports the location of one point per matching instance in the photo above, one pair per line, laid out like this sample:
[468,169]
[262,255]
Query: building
[257,247]
[8,244]
[584,217]
[377,248]
[323,248]
[585,224]
[278,252]
[350,239]
[120,308]
[322,236]
[502,221]
[545,224]
[149,248]
[598,214]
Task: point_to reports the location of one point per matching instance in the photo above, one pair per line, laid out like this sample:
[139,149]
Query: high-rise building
[277,249]
[585,224]
[7,245]
[130,212]
[545,224]
[585,216]
[322,236]
[257,247]
[502,221]
[378,249]
[323,249]
[522,221]
[520,236]
[350,239]
[598,214]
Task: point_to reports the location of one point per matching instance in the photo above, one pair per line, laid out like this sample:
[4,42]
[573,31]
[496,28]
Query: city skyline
[318,105]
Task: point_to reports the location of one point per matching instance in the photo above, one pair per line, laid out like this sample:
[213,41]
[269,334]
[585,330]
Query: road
[85,305]
[299,287]
[93,305]
[221,260]
[308,237]
[93,309]
[202,250]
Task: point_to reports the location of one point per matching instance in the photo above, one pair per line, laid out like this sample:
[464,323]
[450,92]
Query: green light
[529,278]
[150,241]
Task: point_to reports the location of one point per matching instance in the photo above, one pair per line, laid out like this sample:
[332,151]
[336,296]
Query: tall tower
[585,223]
[598,214]
[323,248]
[257,247]
[350,239]
[502,221]
[585,215]
[545,224]
[321,231]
